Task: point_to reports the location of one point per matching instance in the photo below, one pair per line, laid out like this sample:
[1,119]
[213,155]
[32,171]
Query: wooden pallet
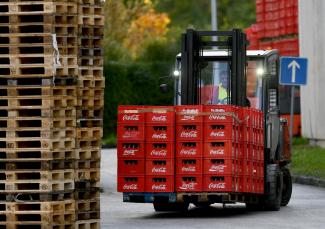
[88,224]
[38,91]
[37,165]
[90,42]
[86,194]
[90,133]
[88,144]
[90,113]
[24,135]
[89,122]
[40,143]
[87,154]
[53,213]
[37,7]
[91,81]
[38,113]
[91,174]
[38,196]
[91,31]
[25,155]
[35,123]
[87,164]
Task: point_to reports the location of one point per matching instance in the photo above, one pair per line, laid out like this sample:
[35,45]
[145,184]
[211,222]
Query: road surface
[306,210]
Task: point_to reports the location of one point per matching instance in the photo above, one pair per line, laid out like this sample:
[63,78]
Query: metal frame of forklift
[234,42]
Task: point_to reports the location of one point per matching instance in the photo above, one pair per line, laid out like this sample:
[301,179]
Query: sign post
[293,71]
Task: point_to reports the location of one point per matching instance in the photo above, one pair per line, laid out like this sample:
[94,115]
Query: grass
[110,140]
[308,160]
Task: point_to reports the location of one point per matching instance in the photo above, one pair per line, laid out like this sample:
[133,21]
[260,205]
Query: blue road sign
[293,71]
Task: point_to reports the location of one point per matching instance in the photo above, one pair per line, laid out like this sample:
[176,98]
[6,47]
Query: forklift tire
[274,180]
[287,186]
[170,207]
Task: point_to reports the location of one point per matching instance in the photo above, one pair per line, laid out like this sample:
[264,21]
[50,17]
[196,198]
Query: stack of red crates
[276,27]
[214,148]
[160,148]
[252,149]
[189,146]
[221,168]
[131,149]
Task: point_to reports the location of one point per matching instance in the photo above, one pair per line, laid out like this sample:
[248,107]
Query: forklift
[222,71]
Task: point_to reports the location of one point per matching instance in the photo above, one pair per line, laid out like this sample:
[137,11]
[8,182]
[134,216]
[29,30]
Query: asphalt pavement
[306,210]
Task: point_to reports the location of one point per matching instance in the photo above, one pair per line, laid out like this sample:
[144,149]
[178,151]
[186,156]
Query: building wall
[312,46]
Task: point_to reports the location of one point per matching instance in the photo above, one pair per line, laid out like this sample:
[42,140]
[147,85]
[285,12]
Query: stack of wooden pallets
[51,96]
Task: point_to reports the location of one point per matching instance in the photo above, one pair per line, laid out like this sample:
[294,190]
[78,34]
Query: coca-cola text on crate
[189,114]
[164,150]
[220,166]
[190,149]
[189,183]
[160,115]
[131,149]
[215,183]
[131,115]
[220,114]
[189,132]
[131,183]
[189,166]
[130,132]
[220,149]
[160,167]
[160,183]
[160,133]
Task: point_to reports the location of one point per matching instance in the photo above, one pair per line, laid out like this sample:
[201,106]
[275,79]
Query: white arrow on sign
[293,65]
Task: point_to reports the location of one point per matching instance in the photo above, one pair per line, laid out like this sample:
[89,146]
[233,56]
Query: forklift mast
[193,44]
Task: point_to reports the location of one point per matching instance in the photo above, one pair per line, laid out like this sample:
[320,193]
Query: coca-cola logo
[217,117]
[158,153]
[159,170]
[159,187]
[130,187]
[188,118]
[188,186]
[191,134]
[217,152]
[217,168]
[189,169]
[190,152]
[131,118]
[159,136]
[217,185]
[217,134]
[217,110]
[129,152]
[161,118]
[130,134]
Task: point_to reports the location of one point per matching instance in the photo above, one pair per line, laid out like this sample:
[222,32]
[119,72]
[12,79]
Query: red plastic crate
[189,114]
[247,167]
[131,184]
[246,134]
[131,167]
[131,150]
[220,149]
[160,150]
[247,183]
[160,133]
[218,132]
[220,166]
[189,166]
[130,132]
[189,183]
[214,183]
[159,184]
[189,132]
[160,115]
[160,167]
[220,114]
[189,149]
[131,114]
